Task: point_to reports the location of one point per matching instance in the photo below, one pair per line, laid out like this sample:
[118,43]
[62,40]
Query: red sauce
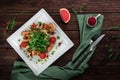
[91,20]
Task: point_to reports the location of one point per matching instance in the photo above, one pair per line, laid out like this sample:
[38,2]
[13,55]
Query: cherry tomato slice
[23,44]
[52,40]
[42,55]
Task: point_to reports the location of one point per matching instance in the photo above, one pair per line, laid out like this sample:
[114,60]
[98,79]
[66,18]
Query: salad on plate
[38,40]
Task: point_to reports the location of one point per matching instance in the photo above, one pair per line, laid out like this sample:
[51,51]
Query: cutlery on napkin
[76,62]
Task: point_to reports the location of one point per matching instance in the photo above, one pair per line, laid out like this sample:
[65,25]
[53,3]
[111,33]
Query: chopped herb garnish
[58,37]
[52,52]
[39,60]
[19,40]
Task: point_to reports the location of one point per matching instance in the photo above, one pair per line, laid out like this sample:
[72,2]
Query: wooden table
[100,68]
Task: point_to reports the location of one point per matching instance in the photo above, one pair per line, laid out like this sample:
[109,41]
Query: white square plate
[38,67]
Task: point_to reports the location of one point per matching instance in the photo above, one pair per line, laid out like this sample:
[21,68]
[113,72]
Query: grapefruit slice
[65,15]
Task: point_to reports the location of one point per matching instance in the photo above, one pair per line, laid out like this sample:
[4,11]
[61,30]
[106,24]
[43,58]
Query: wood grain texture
[100,68]
[54,6]
[110,19]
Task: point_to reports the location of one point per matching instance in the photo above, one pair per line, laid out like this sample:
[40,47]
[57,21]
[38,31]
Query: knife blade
[96,42]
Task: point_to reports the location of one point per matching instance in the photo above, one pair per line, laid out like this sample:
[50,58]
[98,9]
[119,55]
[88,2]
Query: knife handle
[81,54]
[83,57]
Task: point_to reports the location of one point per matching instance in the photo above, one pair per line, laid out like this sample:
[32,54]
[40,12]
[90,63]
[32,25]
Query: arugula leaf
[74,11]
[11,24]
[38,41]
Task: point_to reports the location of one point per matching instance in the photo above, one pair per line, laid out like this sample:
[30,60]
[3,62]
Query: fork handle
[78,63]
[81,53]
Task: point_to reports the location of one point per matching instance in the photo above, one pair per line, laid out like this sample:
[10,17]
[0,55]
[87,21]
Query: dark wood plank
[110,20]
[54,6]
[110,73]
[5,72]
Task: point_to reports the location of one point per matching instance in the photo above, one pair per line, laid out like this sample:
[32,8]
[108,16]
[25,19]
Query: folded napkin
[22,72]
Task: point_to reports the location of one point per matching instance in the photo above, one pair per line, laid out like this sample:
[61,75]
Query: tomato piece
[42,55]
[52,40]
[33,25]
[23,44]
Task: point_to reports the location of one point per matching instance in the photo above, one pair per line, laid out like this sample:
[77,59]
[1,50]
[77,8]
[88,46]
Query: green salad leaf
[38,41]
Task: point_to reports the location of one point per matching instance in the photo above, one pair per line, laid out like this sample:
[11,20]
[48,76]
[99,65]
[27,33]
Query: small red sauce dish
[92,21]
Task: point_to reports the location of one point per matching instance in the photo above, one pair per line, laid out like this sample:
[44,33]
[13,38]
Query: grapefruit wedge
[65,15]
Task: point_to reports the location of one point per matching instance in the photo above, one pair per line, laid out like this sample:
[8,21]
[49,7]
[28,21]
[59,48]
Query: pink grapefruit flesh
[65,15]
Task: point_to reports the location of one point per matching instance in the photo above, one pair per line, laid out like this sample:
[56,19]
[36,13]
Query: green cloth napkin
[22,72]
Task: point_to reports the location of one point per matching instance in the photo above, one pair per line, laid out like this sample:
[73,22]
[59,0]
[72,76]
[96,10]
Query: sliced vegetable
[50,47]
[23,44]
[52,40]
[42,55]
